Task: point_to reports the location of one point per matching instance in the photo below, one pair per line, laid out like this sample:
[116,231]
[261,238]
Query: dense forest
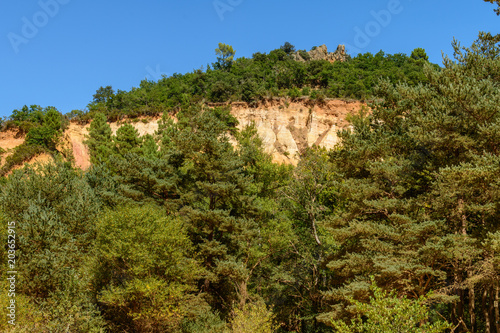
[395,230]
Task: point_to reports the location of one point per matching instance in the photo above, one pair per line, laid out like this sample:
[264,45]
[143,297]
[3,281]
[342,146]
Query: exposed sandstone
[286,128]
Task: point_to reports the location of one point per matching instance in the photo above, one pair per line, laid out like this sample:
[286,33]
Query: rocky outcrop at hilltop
[321,53]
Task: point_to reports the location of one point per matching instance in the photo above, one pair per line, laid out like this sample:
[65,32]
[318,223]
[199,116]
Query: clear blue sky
[59,55]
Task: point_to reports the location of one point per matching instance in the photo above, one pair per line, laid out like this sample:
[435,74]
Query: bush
[304,55]
[43,136]
[205,321]
[253,318]
[306,91]
[294,93]
[387,313]
[22,153]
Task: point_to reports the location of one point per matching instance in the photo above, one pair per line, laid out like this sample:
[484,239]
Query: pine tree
[55,212]
[420,187]
[99,139]
[127,139]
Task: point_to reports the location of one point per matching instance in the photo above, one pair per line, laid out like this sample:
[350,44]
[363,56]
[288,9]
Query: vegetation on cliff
[395,230]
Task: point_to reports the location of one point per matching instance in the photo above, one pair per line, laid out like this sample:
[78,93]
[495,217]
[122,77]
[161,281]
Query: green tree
[127,139]
[42,136]
[311,194]
[419,54]
[144,272]
[54,210]
[225,56]
[218,202]
[103,95]
[288,48]
[419,186]
[386,313]
[46,134]
[99,139]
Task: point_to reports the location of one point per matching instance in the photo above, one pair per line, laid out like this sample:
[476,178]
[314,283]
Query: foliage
[21,154]
[288,48]
[497,10]
[144,275]
[43,136]
[194,229]
[419,189]
[244,79]
[99,139]
[54,210]
[225,55]
[386,313]
[419,54]
[304,55]
[253,318]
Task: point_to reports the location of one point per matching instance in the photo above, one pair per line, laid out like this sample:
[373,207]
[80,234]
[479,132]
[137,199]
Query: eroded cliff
[286,128]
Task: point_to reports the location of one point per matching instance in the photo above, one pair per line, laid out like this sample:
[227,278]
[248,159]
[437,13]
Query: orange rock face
[286,128]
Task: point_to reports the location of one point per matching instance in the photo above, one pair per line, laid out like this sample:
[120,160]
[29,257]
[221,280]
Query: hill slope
[286,128]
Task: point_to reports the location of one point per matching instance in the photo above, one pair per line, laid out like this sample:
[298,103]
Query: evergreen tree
[387,313]
[55,212]
[214,201]
[127,139]
[419,188]
[99,139]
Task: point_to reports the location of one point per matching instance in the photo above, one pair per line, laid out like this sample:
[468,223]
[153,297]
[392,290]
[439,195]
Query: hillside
[295,97]
[179,232]
[286,128]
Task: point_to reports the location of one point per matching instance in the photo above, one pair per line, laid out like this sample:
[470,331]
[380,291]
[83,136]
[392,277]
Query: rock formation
[321,53]
[286,128]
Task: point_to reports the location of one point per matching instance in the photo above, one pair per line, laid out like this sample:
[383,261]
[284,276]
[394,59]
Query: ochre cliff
[286,128]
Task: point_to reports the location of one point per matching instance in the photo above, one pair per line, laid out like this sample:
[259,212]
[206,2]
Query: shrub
[388,313]
[306,91]
[43,136]
[22,153]
[253,318]
[304,55]
[55,210]
[294,93]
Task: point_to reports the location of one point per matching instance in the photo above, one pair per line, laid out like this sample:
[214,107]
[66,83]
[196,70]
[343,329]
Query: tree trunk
[491,309]
[460,311]
[313,222]
[486,311]
[243,292]
[472,309]
[497,314]
[454,319]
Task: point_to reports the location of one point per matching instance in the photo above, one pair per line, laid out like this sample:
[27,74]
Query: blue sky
[58,52]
